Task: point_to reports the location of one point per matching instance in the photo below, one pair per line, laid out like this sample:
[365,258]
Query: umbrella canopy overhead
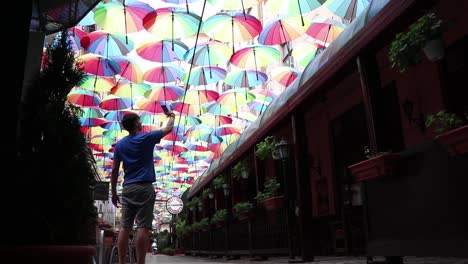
[218,66]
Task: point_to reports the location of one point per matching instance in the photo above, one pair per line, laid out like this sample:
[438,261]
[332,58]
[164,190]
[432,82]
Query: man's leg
[141,244]
[123,243]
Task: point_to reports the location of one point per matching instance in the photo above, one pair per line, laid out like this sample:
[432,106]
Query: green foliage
[240,166]
[162,239]
[218,182]
[182,228]
[192,203]
[60,166]
[219,216]
[271,187]
[405,50]
[206,191]
[265,148]
[202,224]
[443,121]
[242,208]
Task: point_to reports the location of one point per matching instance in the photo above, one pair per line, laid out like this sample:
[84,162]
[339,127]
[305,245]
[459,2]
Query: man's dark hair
[129,121]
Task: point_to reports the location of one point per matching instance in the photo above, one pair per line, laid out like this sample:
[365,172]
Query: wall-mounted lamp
[226,189]
[282,149]
[420,120]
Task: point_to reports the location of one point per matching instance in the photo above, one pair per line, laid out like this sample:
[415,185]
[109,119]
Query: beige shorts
[138,205]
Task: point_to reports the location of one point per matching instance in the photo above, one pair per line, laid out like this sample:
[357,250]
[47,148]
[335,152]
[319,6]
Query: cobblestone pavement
[182,259]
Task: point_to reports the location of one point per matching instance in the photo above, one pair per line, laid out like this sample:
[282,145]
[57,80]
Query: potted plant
[203,224]
[219,217]
[241,169]
[452,131]
[243,210]
[265,148]
[192,204]
[218,182]
[208,192]
[269,197]
[57,170]
[377,165]
[426,32]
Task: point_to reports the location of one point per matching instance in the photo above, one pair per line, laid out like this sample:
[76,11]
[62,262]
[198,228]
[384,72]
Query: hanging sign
[174,205]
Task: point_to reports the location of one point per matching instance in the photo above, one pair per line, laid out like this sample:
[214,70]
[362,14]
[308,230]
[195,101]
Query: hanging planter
[452,131]
[382,165]
[456,140]
[424,34]
[434,49]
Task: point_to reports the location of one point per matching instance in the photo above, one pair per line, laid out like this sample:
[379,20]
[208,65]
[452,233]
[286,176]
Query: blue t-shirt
[136,153]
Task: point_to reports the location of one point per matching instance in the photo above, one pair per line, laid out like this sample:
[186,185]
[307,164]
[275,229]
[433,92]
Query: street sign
[174,205]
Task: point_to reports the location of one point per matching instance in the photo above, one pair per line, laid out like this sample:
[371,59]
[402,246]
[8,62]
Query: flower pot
[375,167]
[434,49]
[456,140]
[273,203]
[53,254]
[246,216]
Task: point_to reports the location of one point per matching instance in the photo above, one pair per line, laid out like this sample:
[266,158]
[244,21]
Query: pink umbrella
[106,44]
[284,75]
[112,102]
[84,98]
[164,93]
[164,74]
[282,30]
[324,30]
[130,70]
[232,27]
[98,65]
[162,51]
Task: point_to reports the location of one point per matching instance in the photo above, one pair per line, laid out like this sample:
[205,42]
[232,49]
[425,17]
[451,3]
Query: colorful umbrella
[164,93]
[204,75]
[189,109]
[234,4]
[215,120]
[346,9]
[162,50]
[130,70]
[304,52]
[216,108]
[208,54]
[171,23]
[284,75]
[254,56]
[164,74]
[177,2]
[238,96]
[106,44]
[264,94]
[282,30]
[97,84]
[130,90]
[83,98]
[199,96]
[122,18]
[245,78]
[98,65]
[112,102]
[291,7]
[324,30]
[243,27]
